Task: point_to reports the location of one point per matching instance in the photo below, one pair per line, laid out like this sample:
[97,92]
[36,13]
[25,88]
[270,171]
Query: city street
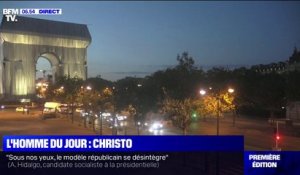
[258,134]
[13,123]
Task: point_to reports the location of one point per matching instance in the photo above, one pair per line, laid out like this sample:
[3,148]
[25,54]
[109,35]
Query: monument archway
[54,64]
[23,42]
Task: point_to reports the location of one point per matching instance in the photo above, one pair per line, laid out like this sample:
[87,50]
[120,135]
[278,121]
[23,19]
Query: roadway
[258,134]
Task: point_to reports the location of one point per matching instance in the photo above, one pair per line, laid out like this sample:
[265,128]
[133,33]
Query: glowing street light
[231,90]
[202,92]
[138,127]
[88,88]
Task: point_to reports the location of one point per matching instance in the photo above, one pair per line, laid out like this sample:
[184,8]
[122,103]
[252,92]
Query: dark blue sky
[136,38]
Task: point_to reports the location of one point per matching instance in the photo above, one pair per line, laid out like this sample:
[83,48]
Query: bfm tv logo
[11,14]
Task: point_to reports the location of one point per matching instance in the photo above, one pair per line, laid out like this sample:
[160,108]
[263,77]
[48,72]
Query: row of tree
[175,92]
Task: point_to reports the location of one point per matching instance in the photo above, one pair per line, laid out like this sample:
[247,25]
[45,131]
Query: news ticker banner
[10,14]
[272,162]
[72,143]
[230,149]
[32,11]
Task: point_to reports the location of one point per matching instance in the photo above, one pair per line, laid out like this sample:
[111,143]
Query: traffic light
[194,114]
[276,137]
[276,134]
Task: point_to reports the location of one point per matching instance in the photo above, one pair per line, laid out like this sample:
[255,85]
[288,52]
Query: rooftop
[34,26]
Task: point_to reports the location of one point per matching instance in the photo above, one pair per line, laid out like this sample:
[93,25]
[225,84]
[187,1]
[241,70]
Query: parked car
[79,110]
[21,109]
[48,110]
[64,110]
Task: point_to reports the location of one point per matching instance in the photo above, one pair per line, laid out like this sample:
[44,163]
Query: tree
[185,62]
[268,92]
[89,98]
[214,104]
[107,102]
[181,81]
[130,112]
[218,78]
[179,111]
[292,86]
[65,90]
[127,92]
[98,83]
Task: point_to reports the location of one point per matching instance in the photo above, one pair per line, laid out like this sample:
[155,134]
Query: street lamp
[88,88]
[217,96]
[101,120]
[231,90]
[138,128]
[115,123]
[202,92]
[125,127]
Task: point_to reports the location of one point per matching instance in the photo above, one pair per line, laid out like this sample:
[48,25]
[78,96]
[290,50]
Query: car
[121,117]
[79,110]
[156,127]
[21,109]
[105,115]
[49,113]
[48,110]
[64,109]
[142,124]
[115,124]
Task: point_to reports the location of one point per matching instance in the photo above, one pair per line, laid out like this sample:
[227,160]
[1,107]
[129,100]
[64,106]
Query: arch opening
[46,68]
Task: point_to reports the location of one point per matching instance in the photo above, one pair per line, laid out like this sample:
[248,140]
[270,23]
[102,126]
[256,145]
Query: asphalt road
[258,134]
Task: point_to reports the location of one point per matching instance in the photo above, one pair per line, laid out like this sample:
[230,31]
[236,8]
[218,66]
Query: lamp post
[101,118]
[217,96]
[125,127]
[218,114]
[138,127]
[90,113]
[88,88]
[115,123]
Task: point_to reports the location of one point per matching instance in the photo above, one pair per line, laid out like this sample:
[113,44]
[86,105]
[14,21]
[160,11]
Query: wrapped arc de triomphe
[23,42]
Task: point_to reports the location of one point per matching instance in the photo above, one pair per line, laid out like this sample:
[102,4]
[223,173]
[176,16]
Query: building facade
[292,64]
[293,111]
